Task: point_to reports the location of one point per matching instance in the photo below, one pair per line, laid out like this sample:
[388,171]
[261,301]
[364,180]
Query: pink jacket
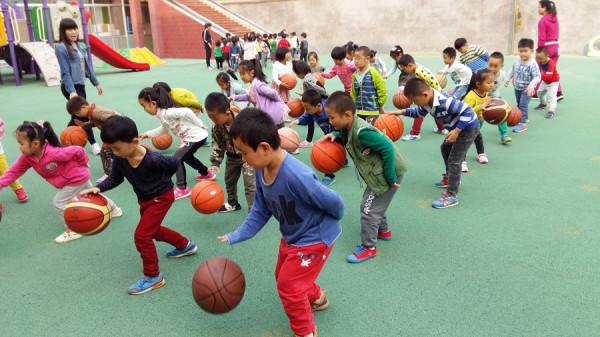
[344,72]
[547,30]
[60,166]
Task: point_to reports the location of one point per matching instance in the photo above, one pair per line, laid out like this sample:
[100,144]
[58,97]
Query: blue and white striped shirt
[450,110]
[475,58]
[525,74]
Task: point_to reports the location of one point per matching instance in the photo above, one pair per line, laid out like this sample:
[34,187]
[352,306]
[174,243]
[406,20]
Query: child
[473,56]
[350,50]
[149,173]
[525,76]
[282,66]
[294,45]
[65,168]
[409,66]
[219,54]
[263,97]
[229,88]
[380,165]
[458,72]
[264,50]
[313,62]
[368,87]
[234,53]
[303,47]
[217,107]
[284,43]
[376,62]
[458,118]
[309,217]
[309,82]
[314,112]
[249,48]
[548,90]
[78,106]
[16,185]
[184,124]
[273,46]
[476,97]
[225,50]
[182,98]
[342,68]
[495,65]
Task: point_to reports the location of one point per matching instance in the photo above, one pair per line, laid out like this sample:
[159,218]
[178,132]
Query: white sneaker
[101,179]
[67,236]
[96,149]
[116,212]
[464,167]
[445,132]
[482,158]
[411,138]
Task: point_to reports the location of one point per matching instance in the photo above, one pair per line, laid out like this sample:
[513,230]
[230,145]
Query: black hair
[254,66]
[208,24]
[338,53]
[223,76]
[396,50]
[525,43]
[341,102]
[414,87]
[301,68]
[252,36]
[283,35]
[372,53]
[119,128]
[265,36]
[313,54]
[235,39]
[280,53]
[159,95]
[366,51]
[405,60]
[351,47]
[497,55]
[75,103]
[218,43]
[312,97]
[550,6]
[478,77]
[303,35]
[460,42]
[216,101]
[163,85]
[542,50]
[44,133]
[253,126]
[66,24]
[450,52]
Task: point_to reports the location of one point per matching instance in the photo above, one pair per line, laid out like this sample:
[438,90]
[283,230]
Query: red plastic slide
[104,52]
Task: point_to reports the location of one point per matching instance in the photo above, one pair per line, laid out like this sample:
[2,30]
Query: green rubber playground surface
[518,257]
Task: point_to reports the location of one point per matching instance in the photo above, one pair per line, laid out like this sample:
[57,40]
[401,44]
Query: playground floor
[518,257]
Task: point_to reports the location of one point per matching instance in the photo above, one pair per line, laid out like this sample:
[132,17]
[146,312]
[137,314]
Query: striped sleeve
[467,116]
[415,112]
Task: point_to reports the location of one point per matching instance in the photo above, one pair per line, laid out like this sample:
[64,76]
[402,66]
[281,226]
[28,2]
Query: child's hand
[214,169]
[78,122]
[530,91]
[452,136]
[381,110]
[395,186]
[284,86]
[450,91]
[399,112]
[143,136]
[223,238]
[294,122]
[100,90]
[73,94]
[93,190]
[506,83]
[329,137]
[231,98]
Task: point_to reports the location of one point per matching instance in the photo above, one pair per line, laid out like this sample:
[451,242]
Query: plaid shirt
[525,74]
[222,144]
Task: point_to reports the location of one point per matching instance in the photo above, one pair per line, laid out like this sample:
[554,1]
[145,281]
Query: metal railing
[192,14]
[256,27]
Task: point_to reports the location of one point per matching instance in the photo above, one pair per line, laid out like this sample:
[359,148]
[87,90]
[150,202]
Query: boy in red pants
[150,175]
[308,213]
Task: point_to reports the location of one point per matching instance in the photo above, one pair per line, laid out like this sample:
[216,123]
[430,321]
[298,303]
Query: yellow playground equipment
[144,55]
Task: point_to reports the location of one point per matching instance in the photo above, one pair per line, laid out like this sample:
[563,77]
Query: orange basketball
[290,139]
[296,108]
[218,285]
[400,101]
[87,214]
[327,156]
[495,111]
[163,141]
[320,79]
[391,126]
[207,197]
[289,80]
[514,117]
[73,135]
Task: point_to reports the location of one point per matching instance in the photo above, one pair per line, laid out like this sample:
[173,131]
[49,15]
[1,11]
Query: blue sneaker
[328,181]
[146,284]
[443,183]
[521,127]
[445,201]
[361,254]
[190,249]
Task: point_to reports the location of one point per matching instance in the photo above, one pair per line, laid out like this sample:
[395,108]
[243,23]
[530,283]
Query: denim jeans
[460,91]
[523,103]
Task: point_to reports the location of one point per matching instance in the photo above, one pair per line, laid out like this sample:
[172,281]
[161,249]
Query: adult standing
[207,38]
[548,33]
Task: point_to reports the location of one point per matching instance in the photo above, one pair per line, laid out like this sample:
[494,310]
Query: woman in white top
[282,66]
[250,47]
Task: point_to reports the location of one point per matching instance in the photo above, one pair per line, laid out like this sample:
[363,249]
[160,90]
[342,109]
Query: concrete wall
[419,25]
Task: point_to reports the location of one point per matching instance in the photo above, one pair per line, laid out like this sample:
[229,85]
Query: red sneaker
[385,236]
[208,176]
[21,195]
[442,183]
[361,254]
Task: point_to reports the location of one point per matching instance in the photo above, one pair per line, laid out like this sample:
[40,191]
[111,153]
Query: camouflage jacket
[222,144]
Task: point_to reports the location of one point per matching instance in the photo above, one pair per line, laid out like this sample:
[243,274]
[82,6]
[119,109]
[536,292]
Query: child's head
[372,55]
[541,55]
[362,57]
[255,135]
[396,53]
[311,101]
[283,35]
[218,43]
[121,134]
[265,36]
[301,68]
[525,49]
[496,62]
[217,108]
[350,50]
[153,99]
[482,81]
[249,70]
[449,55]
[78,106]
[68,31]
[546,7]
[293,34]
[340,108]
[223,80]
[32,136]
[283,54]
[338,54]
[417,90]
[303,35]
[163,85]
[407,64]
[313,59]
[252,37]
[461,45]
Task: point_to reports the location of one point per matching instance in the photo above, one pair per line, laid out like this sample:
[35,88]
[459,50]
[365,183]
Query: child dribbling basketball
[368,87]
[16,185]
[309,217]
[342,68]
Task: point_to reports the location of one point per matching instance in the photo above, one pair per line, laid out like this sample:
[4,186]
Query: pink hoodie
[60,166]
[547,30]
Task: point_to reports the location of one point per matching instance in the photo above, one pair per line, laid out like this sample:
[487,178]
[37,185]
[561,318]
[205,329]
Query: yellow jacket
[476,102]
[184,98]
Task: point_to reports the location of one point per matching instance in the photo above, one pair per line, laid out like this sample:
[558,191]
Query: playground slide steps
[144,55]
[232,25]
[44,56]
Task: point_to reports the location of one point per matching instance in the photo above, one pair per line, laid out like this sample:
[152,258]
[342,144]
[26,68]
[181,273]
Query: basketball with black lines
[218,285]
[327,157]
[87,214]
[390,125]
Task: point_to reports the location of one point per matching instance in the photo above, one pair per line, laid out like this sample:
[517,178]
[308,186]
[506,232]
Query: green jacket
[368,93]
[377,159]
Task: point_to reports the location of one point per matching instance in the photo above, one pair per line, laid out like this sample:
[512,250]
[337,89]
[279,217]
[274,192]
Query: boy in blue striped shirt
[473,56]
[461,122]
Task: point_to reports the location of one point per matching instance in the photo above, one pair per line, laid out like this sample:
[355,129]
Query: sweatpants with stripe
[372,215]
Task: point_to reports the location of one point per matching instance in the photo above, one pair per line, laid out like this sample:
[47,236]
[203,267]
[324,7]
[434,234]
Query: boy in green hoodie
[368,87]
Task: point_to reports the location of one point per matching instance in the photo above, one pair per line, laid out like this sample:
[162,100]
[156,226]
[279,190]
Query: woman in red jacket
[548,31]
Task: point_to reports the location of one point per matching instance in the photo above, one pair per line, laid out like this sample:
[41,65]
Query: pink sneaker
[21,195]
[303,144]
[182,193]
[482,158]
[208,176]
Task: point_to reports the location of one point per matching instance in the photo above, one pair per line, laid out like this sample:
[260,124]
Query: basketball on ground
[296,108]
[163,141]
[73,135]
[87,214]
[495,111]
[327,156]
[514,117]
[392,126]
[289,80]
[400,101]
[290,139]
[218,285]
[207,197]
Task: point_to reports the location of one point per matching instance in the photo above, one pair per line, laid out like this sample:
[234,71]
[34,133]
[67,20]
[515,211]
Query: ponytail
[478,77]
[550,6]
[249,65]
[41,131]
[159,95]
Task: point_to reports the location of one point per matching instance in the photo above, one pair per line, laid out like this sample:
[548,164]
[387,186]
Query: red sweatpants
[296,272]
[149,228]
[416,128]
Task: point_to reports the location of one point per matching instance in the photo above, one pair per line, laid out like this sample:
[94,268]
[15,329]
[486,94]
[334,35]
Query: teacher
[207,38]
[548,33]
